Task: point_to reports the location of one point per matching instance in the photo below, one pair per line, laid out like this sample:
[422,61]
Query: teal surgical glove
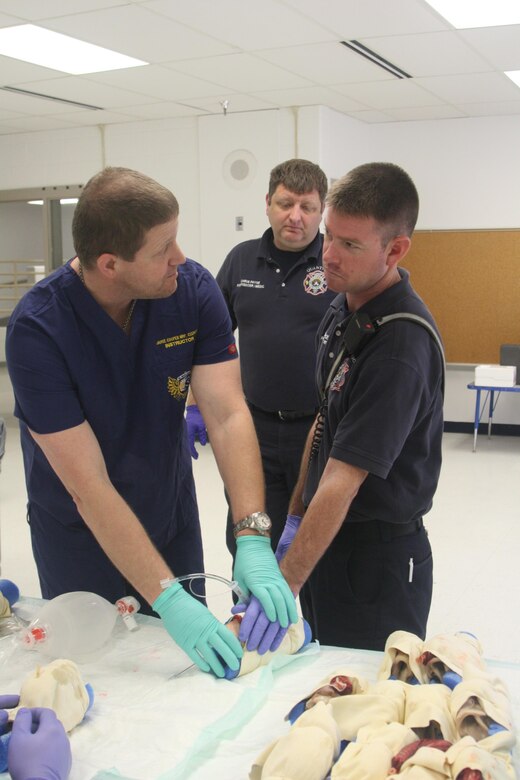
[208,643]
[256,571]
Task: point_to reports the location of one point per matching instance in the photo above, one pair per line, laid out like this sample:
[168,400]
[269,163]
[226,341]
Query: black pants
[360,591]
[69,558]
[281,445]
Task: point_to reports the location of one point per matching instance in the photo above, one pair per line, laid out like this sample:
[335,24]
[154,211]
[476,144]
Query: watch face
[263,522]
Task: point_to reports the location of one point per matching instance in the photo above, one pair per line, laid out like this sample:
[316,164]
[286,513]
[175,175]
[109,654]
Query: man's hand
[196,429]
[256,631]
[39,746]
[289,532]
[7,702]
[256,571]
[208,643]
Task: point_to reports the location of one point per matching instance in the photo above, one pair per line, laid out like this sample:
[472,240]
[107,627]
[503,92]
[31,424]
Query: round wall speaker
[239,168]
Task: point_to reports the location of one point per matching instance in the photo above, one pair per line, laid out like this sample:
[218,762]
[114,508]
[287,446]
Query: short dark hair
[380,190]
[299,176]
[114,212]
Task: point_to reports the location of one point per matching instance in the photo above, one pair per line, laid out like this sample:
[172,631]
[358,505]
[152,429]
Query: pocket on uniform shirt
[172,369]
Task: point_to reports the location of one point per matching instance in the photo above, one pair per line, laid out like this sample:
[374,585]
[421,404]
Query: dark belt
[378,531]
[286,415]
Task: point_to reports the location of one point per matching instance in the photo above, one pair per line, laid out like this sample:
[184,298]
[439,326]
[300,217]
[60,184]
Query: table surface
[148,724]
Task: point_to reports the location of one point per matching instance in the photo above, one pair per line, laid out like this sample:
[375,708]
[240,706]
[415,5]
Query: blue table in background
[490,398]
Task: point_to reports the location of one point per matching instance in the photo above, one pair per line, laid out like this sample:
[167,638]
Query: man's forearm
[123,539]
[296,506]
[322,521]
[238,458]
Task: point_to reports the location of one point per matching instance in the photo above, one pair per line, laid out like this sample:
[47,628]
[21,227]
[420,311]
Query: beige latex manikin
[59,687]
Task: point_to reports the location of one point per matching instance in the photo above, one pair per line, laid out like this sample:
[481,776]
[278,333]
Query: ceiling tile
[236,102]
[241,72]
[137,32]
[247,24]
[16,71]
[311,96]
[325,63]
[30,124]
[371,117]
[471,88]
[33,106]
[428,54]
[492,109]
[397,93]
[33,10]
[86,118]
[158,82]
[355,19]
[163,110]
[415,113]
[83,90]
[9,21]
[500,45]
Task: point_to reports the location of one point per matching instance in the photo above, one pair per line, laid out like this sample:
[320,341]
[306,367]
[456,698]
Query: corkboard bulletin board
[470,280]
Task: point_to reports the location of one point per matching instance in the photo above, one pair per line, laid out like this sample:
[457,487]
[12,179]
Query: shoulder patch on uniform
[315,282]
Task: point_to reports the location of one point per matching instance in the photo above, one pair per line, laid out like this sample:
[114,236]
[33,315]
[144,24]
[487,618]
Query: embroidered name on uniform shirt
[177,340]
[251,283]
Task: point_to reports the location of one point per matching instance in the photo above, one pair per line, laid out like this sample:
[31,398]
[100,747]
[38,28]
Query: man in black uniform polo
[361,560]
[276,293]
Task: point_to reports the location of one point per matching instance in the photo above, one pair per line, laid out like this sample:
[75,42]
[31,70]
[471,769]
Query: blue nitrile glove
[7,702]
[256,571]
[289,532]
[39,746]
[197,631]
[196,429]
[256,630]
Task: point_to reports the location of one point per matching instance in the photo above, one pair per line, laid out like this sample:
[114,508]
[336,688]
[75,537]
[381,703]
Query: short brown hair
[380,190]
[114,212]
[299,176]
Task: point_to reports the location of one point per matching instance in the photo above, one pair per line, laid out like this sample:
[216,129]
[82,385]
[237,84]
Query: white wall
[467,172]
[21,232]
[254,143]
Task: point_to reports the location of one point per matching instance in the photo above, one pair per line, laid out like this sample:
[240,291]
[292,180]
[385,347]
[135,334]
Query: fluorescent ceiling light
[478,13]
[34,44]
[63,201]
[514,75]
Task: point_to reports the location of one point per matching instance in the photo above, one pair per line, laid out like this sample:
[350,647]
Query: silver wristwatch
[258,521]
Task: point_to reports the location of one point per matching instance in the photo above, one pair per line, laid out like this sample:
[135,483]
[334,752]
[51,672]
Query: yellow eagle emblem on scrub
[178,387]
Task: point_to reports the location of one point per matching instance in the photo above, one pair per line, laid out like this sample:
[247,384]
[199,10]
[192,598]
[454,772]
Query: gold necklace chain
[126,323]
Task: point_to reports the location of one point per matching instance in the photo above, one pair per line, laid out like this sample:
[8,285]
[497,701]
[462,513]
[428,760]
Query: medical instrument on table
[77,625]
[231,585]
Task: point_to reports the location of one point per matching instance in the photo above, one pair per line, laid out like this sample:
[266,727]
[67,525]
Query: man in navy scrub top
[101,354]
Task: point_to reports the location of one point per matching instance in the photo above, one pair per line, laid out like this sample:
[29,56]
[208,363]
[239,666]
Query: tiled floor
[474,529]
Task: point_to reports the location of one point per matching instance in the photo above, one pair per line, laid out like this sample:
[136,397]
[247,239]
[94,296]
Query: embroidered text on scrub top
[177,340]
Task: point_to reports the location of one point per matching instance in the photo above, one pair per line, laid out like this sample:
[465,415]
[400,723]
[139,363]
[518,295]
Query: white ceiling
[259,54]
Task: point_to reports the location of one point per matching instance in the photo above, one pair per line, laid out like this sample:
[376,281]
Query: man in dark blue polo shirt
[361,560]
[101,354]
[276,294]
